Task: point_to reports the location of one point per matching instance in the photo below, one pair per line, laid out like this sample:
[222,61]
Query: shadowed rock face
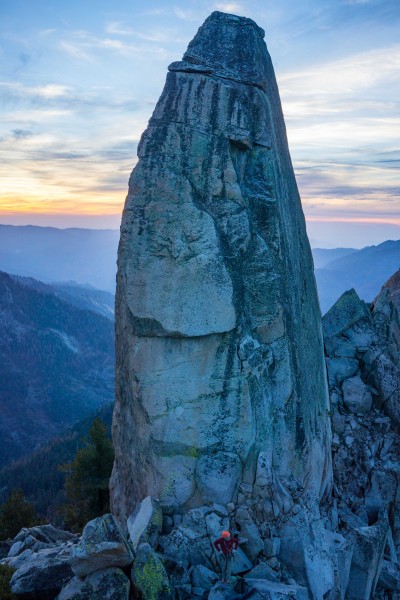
[220,373]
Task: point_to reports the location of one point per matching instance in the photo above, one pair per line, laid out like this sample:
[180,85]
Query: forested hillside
[56,366]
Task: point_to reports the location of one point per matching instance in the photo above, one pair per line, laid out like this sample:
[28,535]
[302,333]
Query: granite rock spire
[221,384]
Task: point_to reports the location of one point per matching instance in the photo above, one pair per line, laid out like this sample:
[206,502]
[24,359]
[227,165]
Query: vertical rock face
[221,383]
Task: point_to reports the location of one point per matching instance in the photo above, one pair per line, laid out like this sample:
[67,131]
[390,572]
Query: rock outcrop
[102,545]
[362,355]
[221,388]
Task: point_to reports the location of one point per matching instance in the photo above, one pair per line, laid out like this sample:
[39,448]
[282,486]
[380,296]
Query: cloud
[185,15]
[117,28]
[75,51]
[346,76]
[229,7]
[65,98]
[83,46]
[48,91]
[22,134]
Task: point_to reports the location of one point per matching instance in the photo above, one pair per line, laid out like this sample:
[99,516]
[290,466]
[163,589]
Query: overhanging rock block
[103,545]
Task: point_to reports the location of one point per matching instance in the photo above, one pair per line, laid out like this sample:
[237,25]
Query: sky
[80,79]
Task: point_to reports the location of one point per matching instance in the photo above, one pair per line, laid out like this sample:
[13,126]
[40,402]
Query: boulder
[203,578]
[39,537]
[381,493]
[361,335]
[347,311]
[262,571]
[107,584]
[276,591]
[369,545]
[240,562]
[340,369]
[315,557]
[357,395]
[176,545]
[176,571]
[389,578]
[340,347]
[272,547]
[29,543]
[222,591]
[252,543]
[149,576]
[145,523]
[103,545]
[215,525]
[183,592]
[42,574]
[195,520]
[186,546]
[15,562]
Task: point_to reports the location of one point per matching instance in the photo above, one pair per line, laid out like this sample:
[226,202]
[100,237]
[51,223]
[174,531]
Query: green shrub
[6,573]
[88,477]
[15,513]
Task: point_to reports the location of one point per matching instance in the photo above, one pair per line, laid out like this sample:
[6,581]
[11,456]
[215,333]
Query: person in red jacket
[226,545]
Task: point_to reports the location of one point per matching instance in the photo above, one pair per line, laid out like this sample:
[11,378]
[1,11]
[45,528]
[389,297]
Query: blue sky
[79,80]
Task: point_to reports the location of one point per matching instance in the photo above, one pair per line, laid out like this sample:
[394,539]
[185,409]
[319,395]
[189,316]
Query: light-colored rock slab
[145,524]
[276,591]
[369,545]
[42,574]
[103,545]
[107,584]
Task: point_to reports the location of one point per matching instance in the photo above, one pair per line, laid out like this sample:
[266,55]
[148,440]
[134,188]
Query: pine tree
[16,513]
[86,485]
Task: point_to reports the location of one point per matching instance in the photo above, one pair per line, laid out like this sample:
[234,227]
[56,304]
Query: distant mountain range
[88,257]
[84,256]
[323,256]
[364,270]
[85,297]
[56,363]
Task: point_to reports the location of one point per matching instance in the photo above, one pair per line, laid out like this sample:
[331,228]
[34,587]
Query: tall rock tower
[221,385]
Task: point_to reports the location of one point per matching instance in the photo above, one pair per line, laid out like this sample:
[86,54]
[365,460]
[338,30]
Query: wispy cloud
[83,46]
[22,134]
[118,28]
[75,51]
[185,14]
[229,7]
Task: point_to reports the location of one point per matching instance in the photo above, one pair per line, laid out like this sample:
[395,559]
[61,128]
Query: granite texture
[220,367]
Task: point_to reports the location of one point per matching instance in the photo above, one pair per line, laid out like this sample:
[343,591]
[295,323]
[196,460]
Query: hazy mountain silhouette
[68,257]
[364,270]
[56,365]
[85,256]
[323,256]
[85,297]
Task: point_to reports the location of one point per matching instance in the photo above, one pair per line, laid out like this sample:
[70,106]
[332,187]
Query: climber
[226,545]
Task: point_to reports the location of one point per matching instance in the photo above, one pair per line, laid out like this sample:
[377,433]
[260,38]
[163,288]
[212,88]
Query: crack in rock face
[221,384]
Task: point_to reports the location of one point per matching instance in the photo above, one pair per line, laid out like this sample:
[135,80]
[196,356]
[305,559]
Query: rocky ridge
[356,549]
